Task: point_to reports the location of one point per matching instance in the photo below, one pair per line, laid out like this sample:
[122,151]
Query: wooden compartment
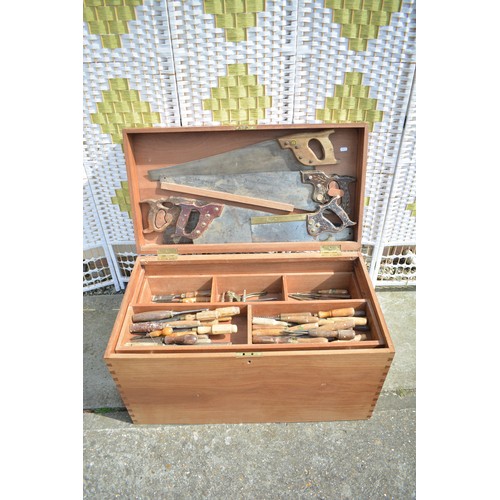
[232,379]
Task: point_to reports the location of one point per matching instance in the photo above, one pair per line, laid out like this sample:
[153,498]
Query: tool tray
[191,383]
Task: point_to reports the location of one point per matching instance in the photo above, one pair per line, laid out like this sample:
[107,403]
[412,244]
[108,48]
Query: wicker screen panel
[355,62]
[97,267]
[400,227]
[234,60]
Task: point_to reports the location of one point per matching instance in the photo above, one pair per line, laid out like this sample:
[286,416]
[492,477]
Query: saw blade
[267,156]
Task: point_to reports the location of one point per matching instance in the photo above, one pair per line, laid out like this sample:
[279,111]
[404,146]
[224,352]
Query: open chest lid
[287,188]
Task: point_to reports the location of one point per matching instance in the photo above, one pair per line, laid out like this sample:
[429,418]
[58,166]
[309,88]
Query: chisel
[160,315]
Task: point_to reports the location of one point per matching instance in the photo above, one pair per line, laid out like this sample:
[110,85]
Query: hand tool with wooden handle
[202,294]
[256,320]
[165,212]
[269,331]
[298,319]
[341,324]
[188,339]
[290,152]
[271,339]
[218,313]
[358,321]
[344,334]
[345,311]
[150,326]
[322,190]
[159,315]
[217,329]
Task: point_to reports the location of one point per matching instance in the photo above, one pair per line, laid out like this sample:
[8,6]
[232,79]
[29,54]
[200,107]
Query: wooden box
[240,381]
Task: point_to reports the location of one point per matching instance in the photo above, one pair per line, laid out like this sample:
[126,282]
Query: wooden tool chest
[231,377]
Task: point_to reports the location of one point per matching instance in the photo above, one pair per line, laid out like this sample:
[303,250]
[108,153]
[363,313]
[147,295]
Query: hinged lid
[263,192]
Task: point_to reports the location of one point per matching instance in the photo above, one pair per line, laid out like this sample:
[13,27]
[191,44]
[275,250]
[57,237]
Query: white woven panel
[97,268]
[400,227]
[202,54]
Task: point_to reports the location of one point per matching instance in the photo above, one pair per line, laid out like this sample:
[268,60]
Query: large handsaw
[292,152]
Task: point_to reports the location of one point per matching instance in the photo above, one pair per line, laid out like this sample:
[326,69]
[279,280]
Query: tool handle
[217,329]
[269,339]
[341,334]
[338,325]
[268,331]
[188,339]
[159,216]
[151,316]
[268,321]
[358,321]
[299,144]
[207,213]
[346,311]
[292,318]
[317,223]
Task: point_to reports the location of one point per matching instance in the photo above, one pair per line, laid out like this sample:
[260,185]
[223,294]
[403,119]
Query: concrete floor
[358,459]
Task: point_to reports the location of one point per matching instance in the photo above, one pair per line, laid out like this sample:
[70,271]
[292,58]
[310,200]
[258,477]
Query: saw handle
[299,144]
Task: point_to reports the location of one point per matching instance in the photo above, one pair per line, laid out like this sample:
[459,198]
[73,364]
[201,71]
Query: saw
[291,152]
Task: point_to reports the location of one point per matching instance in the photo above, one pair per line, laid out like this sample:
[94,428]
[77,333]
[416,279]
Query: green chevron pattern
[122,198]
[350,103]
[109,19]
[238,99]
[235,16]
[121,108]
[360,20]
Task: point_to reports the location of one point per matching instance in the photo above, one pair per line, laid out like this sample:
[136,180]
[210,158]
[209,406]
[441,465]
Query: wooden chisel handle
[282,325]
[270,339]
[313,340]
[161,333]
[346,334]
[268,321]
[217,329]
[184,324]
[346,311]
[218,313]
[299,319]
[268,331]
[284,316]
[188,339]
[151,316]
[306,326]
[147,326]
[357,320]
[342,324]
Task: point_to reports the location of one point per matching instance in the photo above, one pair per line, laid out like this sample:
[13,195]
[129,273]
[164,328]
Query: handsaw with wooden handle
[291,152]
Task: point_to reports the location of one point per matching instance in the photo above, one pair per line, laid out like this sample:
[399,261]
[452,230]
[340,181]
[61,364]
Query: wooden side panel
[230,388]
